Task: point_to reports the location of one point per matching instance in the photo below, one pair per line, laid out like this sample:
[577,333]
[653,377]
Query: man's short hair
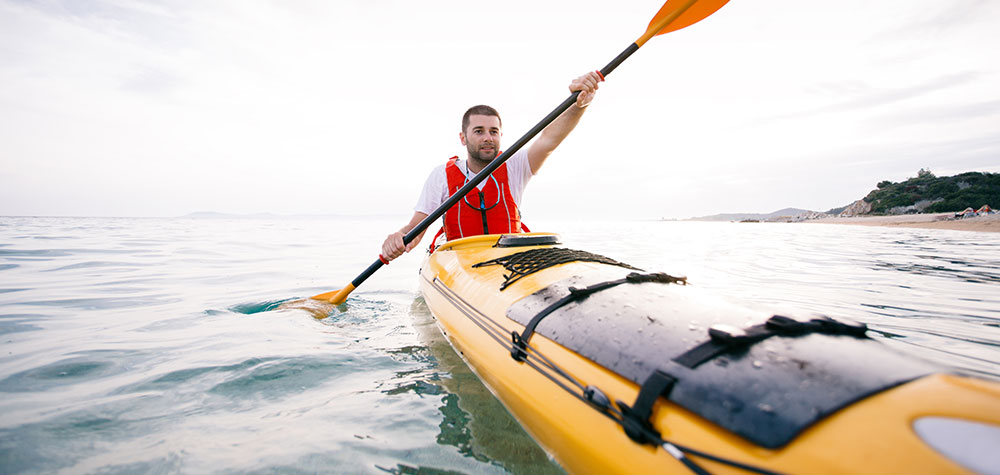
[479,110]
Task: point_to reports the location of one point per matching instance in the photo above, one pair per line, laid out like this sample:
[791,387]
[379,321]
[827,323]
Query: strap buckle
[728,335]
[635,419]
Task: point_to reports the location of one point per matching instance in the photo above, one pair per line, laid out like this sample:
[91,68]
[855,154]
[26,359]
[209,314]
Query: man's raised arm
[554,134]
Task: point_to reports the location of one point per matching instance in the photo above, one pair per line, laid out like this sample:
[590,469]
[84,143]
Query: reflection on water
[465,404]
[474,421]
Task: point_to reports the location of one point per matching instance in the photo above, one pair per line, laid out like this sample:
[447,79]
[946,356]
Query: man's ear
[461,137]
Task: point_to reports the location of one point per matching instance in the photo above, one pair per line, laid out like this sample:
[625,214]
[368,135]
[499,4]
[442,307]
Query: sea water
[158,346]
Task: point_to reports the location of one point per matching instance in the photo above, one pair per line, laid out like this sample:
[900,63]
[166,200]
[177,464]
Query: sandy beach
[988,223]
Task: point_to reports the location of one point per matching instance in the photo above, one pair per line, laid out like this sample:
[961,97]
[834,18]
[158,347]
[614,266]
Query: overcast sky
[162,108]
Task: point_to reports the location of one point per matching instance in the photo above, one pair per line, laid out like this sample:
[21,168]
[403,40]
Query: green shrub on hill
[931,194]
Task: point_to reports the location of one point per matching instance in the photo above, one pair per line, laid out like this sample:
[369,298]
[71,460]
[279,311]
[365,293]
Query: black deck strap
[521,341]
[528,262]
[635,419]
[823,324]
[724,338]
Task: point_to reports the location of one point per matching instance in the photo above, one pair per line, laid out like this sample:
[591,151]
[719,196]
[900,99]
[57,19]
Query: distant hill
[787,212]
[927,193]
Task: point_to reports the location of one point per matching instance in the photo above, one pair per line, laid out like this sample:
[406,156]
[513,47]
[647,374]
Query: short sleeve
[518,174]
[435,191]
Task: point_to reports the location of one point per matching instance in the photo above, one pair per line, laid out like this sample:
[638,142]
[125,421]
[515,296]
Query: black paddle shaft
[485,172]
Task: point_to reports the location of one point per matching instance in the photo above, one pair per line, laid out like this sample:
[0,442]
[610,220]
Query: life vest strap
[433,246]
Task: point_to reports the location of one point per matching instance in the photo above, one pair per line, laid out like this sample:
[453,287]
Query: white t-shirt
[436,187]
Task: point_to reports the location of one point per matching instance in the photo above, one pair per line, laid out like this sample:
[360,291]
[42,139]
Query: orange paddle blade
[677,14]
[335,297]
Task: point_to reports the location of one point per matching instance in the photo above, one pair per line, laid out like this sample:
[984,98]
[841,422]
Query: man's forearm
[560,128]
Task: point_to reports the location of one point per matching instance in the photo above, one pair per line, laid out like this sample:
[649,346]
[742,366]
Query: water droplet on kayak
[757,364]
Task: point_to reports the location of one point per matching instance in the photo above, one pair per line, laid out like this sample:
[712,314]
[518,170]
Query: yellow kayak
[613,369]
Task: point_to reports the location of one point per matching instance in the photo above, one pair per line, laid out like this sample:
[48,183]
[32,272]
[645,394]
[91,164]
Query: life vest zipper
[482,209]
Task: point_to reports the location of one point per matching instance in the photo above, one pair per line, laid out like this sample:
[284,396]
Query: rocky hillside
[927,193]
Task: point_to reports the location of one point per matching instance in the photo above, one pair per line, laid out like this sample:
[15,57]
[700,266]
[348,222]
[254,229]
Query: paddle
[674,15]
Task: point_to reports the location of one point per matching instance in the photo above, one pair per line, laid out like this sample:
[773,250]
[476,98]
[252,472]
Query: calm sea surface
[154,346]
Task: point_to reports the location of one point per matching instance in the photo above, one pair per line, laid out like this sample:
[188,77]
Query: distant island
[780,215]
[926,193]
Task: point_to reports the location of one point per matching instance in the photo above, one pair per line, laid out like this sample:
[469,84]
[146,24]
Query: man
[493,207]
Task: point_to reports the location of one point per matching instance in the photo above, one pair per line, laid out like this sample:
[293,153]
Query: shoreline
[988,223]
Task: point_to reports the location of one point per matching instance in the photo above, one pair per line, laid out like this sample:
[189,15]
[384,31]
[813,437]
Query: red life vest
[488,211]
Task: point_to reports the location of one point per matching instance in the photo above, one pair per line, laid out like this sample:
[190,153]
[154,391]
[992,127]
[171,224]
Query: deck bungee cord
[528,262]
[575,294]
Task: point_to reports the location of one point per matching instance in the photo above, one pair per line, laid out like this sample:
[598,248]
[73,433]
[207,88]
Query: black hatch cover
[767,393]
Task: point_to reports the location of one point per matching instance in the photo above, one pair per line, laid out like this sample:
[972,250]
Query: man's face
[482,137]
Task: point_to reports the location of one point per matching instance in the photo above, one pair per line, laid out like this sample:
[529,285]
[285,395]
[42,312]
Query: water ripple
[79,369]
[115,266]
[161,345]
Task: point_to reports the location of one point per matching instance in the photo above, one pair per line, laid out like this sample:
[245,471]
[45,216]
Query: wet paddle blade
[335,297]
[320,306]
